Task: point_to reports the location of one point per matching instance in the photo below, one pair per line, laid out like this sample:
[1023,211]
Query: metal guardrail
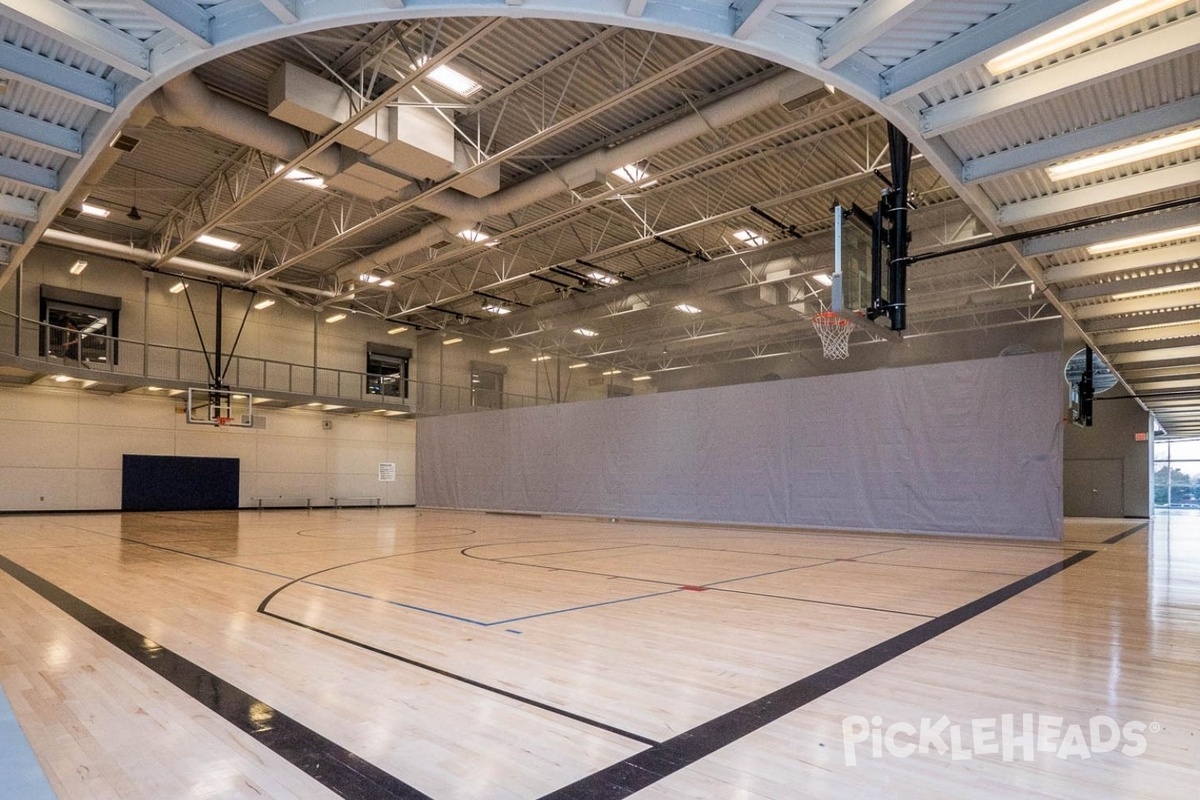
[57,347]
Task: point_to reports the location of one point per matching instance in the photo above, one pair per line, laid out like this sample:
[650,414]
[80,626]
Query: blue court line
[20,774]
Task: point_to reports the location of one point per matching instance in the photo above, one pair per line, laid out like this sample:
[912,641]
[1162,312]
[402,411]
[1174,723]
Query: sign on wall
[387,472]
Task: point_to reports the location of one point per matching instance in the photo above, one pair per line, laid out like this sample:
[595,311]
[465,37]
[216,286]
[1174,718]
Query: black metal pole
[217,383]
[901,157]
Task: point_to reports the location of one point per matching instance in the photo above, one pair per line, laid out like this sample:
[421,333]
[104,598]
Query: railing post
[20,287]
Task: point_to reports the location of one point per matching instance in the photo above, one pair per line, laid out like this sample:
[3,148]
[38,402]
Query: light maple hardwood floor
[473,656]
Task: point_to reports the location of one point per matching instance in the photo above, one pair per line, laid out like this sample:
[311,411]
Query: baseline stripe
[328,763]
[650,766]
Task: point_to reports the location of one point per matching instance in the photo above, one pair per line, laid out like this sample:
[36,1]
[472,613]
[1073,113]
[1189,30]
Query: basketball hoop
[223,421]
[835,334]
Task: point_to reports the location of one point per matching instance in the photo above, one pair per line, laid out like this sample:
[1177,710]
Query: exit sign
[1140,437]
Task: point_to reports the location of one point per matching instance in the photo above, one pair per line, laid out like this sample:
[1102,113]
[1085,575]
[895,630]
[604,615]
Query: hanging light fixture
[133,209]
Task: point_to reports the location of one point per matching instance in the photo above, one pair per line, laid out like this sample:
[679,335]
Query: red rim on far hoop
[835,334]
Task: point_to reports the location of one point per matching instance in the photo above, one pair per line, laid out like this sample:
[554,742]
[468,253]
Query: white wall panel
[47,489]
[38,444]
[101,447]
[62,449]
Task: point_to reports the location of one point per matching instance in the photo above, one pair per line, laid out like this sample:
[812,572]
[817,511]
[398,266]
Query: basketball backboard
[852,292]
[851,264]
[220,407]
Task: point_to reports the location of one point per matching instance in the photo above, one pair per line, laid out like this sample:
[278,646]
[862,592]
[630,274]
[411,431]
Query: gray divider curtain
[965,447]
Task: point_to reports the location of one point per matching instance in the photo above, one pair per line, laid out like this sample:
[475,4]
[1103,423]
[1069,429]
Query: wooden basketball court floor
[410,653]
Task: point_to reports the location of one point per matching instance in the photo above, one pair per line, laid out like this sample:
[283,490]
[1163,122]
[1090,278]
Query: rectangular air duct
[366,180]
[478,184]
[420,143]
[305,100]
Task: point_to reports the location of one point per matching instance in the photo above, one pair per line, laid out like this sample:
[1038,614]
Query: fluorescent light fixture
[367,277]
[1124,155]
[217,241]
[302,176]
[94,211]
[750,238]
[387,283]
[455,340]
[632,173]
[1160,290]
[449,78]
[588,332]
[642,378]
[1098,23]
[495,309]
[1144,240]
[335,318]
[580,365]
[78,267]
[687,309]
[823,278]
[600,277]
[177,288]
[541,358]
[313,405]
[153,388]
[61,378]
[397,329]
[497,350]
[265,303]
[473,236]
[612,372]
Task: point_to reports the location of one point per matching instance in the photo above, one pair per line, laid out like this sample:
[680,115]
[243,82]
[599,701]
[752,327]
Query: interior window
[387,375]
[79,334]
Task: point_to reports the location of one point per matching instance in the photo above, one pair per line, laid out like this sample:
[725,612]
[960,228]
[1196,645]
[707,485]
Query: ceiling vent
[69,213]
[590,185]
[799,102]
[125,143]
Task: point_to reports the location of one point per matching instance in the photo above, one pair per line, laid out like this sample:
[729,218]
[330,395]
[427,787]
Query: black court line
[820,602]
[604,726]
[1125,533]
[330,764]
[650,766]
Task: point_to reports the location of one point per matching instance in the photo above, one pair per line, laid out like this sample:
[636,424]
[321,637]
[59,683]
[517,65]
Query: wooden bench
[338,502]
[295,500]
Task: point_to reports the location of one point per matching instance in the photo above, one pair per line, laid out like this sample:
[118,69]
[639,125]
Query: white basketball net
[835,334]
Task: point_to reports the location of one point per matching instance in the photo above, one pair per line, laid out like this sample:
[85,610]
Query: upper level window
[78,327]
[387,370]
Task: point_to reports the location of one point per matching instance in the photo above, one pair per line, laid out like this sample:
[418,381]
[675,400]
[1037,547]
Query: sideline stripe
[650,766]
[326,762]
[1124,533]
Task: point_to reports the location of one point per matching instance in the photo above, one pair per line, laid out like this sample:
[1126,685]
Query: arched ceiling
[564,80]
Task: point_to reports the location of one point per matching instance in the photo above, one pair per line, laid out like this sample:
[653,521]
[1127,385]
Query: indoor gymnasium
[599,399]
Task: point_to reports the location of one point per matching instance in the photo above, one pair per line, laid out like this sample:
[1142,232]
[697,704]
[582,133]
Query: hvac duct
[188,266]
[187,101]
[465,212]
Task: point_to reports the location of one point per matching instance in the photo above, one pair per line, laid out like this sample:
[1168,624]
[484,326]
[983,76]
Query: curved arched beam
[745,25]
